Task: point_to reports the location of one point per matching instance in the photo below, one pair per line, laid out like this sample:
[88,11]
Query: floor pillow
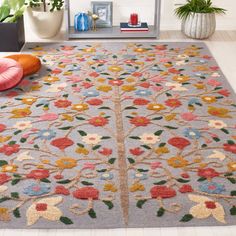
[11,73]
[30,64]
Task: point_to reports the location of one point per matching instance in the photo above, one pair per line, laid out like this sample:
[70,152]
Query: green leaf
[182,180]
[96,147]
[45,180]
[233,193]
[36,146]
[131,108]
[112,160]
[15,195]
[66,220]
[225,131]
[23,140]
[134,137]
[146,147]
[104,108]
[80,145]
[160,212]
[12,143]
[160,182]
[159,132]
[109,204]
[158,118]
[82,133]
[66,128]
[216,139]
[170,127]
[201,179]
[16,213]
[102,170]
[79,118]
[86,183]
[3,199]
[106,137]
[15,181]
[17,132]
[162,144]
[3,162]
[187,218]
[231,142]
[65,181]
[92,213]
[233,211]
[232,180]
[140,203]
[142,170]
[131,160]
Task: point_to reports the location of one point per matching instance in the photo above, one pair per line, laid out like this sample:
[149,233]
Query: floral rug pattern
[119,135]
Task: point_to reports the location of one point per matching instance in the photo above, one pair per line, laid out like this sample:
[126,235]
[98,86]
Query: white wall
[123,8]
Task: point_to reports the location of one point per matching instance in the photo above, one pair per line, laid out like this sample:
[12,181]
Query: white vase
[45,24]
[199,25]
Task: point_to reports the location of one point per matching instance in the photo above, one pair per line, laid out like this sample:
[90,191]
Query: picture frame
[104,10]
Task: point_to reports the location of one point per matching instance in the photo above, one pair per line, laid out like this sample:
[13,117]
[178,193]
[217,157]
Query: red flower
[174,71]
[62,103]
[41,206]
[98,121]
[87,85]
[2,127]
[86,193]
[173,102]
[185,175]
[140,101]
[95,102]
[10,149]
[140,121]
[137,74]
[186,188]
[58,176]
[94,74]
[210,204]
[136,151]
[116,82]
[38,174]
[160,47]
[62,190]
[230,148]
[208,173]
[4,178]
[224,92]
[145,84]
[62,143]
[106,151]
[162,192]
[179,142]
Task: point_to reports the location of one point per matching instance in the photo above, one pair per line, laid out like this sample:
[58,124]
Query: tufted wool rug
[119,135]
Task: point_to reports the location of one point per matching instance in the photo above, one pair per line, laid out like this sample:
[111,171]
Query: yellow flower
[209,99]
[177,162]
[140,50]
[206,207]
[201,68]
[156,107]
[37,48]
[168,65]
[68,73]
[197,160]
[200,86]
[36,87]
[67,117]
[128,88]
[50,79]
[40,166]
[137,187]
[101,80]
[83,151]
[115,68]
[170,117]
[80,107]
[181,78]
[162,150]
[29,101]
[219,112]
[4,138]
[130,80]
[104,88]
[110,187]
[164,73]
[89,50]
[9,168]
[66,163]
[231,166]
[4,214]
[62,65]
[20,112]
[45,161]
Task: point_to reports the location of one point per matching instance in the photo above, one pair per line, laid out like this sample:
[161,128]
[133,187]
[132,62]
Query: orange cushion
[29,63]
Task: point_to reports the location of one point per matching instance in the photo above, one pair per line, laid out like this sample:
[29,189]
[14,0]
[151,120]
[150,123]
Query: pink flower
[214,68]
[188,116]
[224,92]
[90,166]
[76,89]
[155,165]
[214,82]
[49,117]
[165,60]
[156,88]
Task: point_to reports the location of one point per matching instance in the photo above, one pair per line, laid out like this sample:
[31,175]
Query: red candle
[134,19]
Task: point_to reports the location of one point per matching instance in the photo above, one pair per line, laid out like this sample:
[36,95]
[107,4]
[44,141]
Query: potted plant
[12,34]
[46,16]
[198,18]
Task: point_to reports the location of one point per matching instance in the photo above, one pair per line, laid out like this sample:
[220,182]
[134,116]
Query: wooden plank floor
[223,47]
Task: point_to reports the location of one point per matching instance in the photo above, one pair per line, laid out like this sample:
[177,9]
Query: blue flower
[212,188]
[91,93]
[193,101]
[100,57]
[130,69]
[46,134]
[192,133]
[155,68]
[74,68]
[107,176]
[43,102]
[140,176]
[37,189]
[129,56]
[143,93]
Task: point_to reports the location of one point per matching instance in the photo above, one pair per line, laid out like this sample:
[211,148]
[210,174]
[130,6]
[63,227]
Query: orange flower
[181,78]
[177,162]
[28,101]
[140,50]
[80,107]
[20,112]
[50,79]
[219,112]
[104,88]
[115,68]
[156,107]
[66,163]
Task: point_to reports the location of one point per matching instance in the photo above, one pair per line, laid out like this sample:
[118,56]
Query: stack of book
[126,27]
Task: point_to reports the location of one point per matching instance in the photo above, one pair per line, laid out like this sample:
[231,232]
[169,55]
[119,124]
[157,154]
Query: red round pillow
[11,73]
[30,63]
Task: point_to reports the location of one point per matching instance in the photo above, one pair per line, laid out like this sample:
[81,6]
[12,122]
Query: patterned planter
[199,25]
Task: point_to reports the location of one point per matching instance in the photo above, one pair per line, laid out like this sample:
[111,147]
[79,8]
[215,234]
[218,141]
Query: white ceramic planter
[199,25]
[45,24]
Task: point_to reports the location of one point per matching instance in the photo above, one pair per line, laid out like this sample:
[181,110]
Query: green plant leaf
[3,162]
[3,199]
[140,203]
[15,195]
[187,218]
[66,220]
[86,183]
[160,212]
[16,213]
[109,204]
[82,133]
[4,12]
[92,213]
[160,182]
[112,160]
[15,181]
[65,181]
